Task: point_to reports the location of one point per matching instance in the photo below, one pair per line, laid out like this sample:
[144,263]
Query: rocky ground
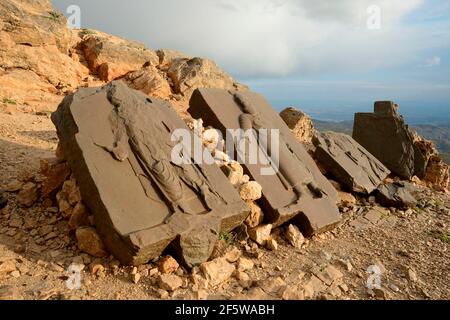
[409,249]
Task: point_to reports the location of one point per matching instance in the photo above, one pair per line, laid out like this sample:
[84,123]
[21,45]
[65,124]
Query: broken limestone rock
[300,124]
[250,191]
[295,188]
[8,292]
[55,172]
[256,216]
[437,173]
[217,271]
[13,186]
[272,244]
[111,57]
[28,195]
[167,264]
[79,217]
[397,194]
[260,234]
[187,74]
[386,136]
[234,172]
[89,241]
[347,199]
[294,236]
[150,81]
[118,144]
[169,282]
[348,162]
[167,56]
[423,151]
[244,264]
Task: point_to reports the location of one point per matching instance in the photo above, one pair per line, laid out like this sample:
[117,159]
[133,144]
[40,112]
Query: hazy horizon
[323,56]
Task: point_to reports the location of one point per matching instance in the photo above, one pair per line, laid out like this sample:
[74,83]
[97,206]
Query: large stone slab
[118,144]
[397,194]
[349,163]
[298,189]
[386,136]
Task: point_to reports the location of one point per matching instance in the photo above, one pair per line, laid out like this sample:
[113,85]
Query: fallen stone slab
[118,144]
[397,195]
[386,136]
[296,188]
[349,162]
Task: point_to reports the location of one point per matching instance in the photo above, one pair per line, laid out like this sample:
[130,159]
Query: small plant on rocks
[227,237]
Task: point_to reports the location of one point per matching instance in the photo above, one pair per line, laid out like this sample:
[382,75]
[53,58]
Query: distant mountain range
[439,134]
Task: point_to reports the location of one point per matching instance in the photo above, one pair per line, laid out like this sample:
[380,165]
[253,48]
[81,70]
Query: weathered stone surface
[348,162]
[111,57]
[13,186]
[300,124]
[150,81]
[297,189]
[170,282]
[272,244]
[256,216]
[234,172]
[35,23]
[250,191]
[243,279]
[167,264]
[56,173]
[396,195]
[28,195]
[347,199]
[7,266]
[244,264]
[428,165]
[217,271]
[233,254]
[423,150]
[437,173]
[328,274]
[79,217]
[386,136]
[8,292]
[89,241]
[260,234]
[167,56]
[35,64]
[294,236]
[118,144]
[189,74]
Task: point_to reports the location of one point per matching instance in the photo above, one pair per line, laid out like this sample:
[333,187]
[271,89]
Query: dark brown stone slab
[298,190]
[118,144]
[386,136]
[349,163]
[397,194]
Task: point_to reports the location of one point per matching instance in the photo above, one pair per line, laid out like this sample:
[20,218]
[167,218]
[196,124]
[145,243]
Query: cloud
[265,37]
[433,62]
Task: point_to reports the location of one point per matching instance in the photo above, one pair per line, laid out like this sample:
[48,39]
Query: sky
[330,58]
